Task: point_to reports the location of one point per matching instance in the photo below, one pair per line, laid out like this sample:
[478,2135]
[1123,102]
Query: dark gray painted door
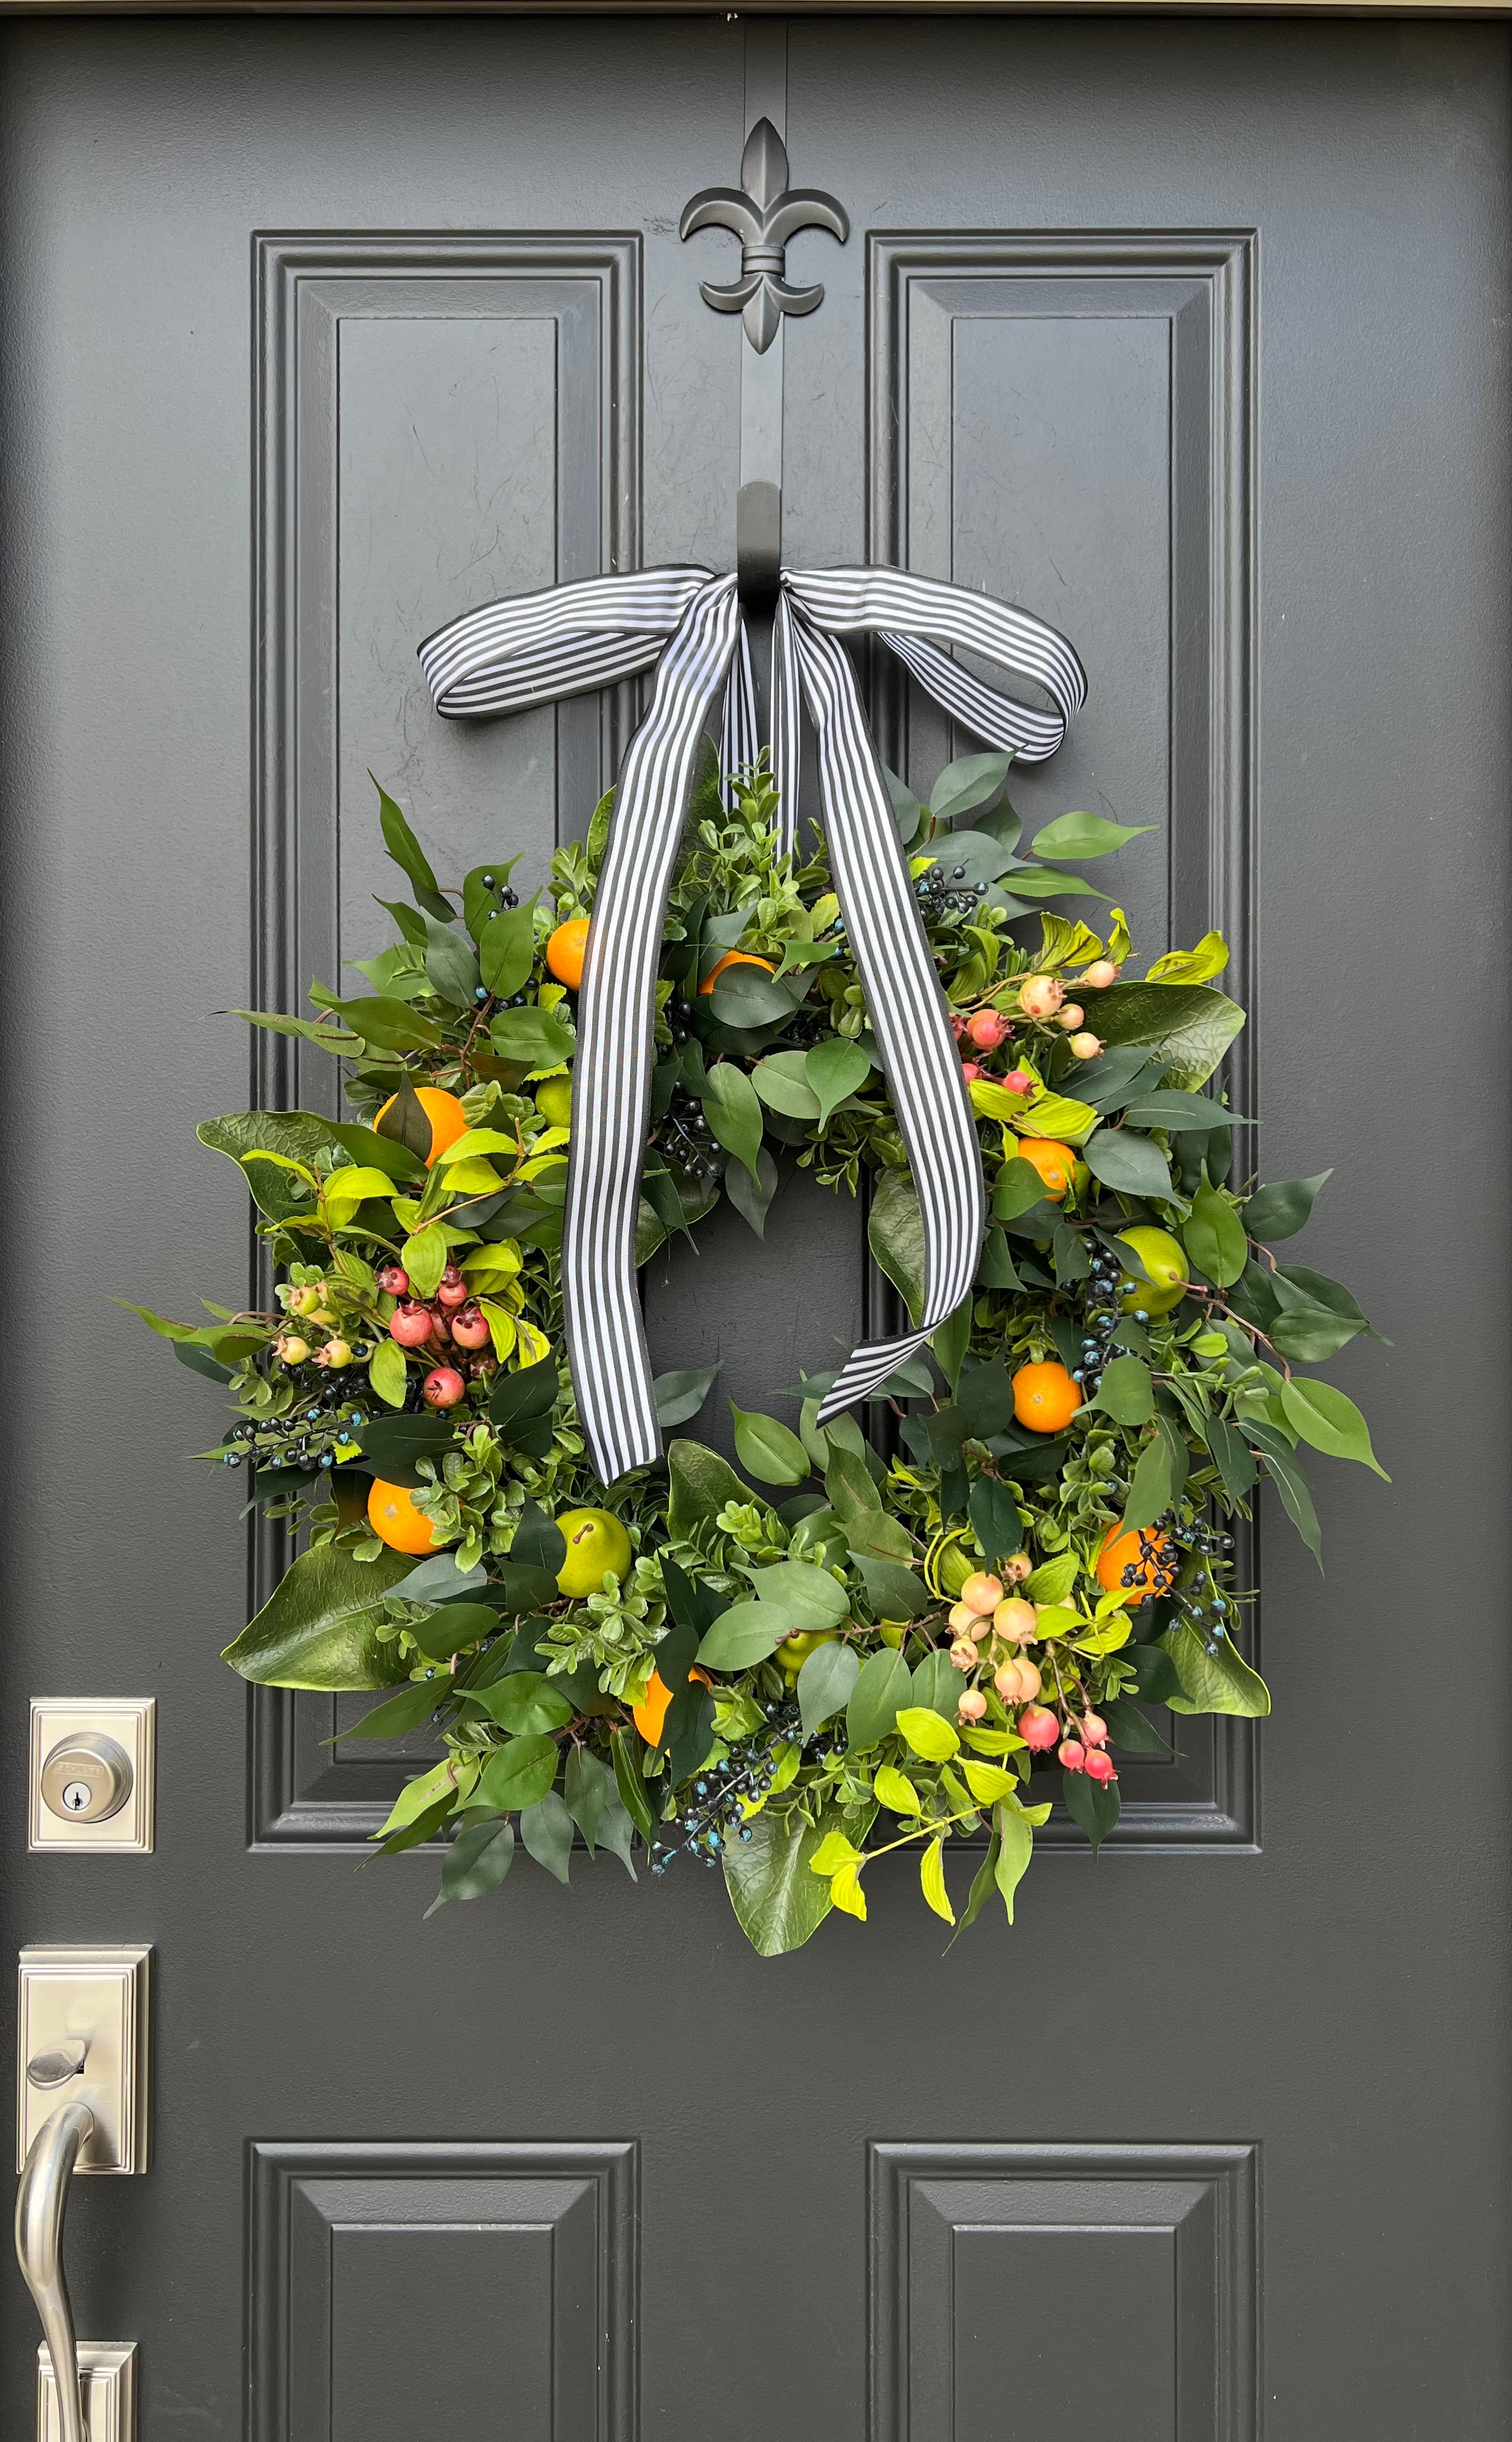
[1194,337]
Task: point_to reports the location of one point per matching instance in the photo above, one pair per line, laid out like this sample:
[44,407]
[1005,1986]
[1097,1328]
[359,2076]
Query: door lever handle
[40,2206]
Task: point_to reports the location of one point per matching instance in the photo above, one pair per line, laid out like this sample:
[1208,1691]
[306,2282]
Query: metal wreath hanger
[690,626]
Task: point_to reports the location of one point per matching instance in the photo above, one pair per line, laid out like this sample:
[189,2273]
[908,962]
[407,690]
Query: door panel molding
[1147,329]
[1165,2236]
[333,312]
[527,2251]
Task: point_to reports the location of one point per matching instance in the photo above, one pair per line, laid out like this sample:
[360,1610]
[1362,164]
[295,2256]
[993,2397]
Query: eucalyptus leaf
[680,1395]
[743,1636]
[519,1774]
[1127,1393]
[782,1082]
[835,1069]
[778,1902]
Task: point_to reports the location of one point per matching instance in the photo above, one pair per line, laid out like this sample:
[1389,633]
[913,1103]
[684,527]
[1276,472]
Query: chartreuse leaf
[1210,957]
[1326,1418]
[932,1880]
[441,1780]
[988,1782]
[927,1734]
[734,1111]
[320,1626]
[895,1791]
[1083,835]
[388,1374]
[767,1448]
[1016,1837]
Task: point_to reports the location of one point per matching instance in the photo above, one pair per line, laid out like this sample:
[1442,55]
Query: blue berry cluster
[714,1810]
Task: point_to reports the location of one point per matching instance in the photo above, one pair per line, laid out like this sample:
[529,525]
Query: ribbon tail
[786,734]
[606,1335]
[906,1008]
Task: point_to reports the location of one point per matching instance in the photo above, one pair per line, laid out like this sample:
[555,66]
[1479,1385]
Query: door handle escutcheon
[41,2202]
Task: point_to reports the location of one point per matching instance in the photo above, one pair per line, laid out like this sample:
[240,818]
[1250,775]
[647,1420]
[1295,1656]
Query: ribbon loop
[540,648]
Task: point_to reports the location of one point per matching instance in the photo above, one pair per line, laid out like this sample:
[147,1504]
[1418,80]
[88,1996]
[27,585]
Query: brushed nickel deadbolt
[92,1774]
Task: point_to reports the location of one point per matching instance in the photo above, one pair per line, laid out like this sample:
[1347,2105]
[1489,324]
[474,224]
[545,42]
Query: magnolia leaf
[1214,1682]
[1187,1026]
[703,1483]
[778,1899]
[895,1233]
[319,1626]
[295,1136]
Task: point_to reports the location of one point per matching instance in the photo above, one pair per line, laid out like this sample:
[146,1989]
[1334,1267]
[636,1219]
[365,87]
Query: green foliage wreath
[857,1645]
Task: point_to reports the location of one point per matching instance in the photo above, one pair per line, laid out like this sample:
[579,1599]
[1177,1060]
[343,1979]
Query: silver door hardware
[107,2374]
[91,1778]
[82,2104]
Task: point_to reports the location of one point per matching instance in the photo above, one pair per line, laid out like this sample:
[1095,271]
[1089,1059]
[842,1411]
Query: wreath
[854,1642]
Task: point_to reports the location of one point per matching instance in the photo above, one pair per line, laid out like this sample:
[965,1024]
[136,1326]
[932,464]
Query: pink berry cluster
[987,1615]
[1042,1001]
[435,1325]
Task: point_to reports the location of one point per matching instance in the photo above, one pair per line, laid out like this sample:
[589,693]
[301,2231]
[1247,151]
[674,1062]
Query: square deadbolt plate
[108,2371]
[98,1997]
[132,1723]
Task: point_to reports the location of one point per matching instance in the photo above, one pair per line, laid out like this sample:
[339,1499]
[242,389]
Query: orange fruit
[650,1712]
[449,1120]
[566,948]
[1122,1550]
[1055,1164]
[395,1521]
[1044,1396]
[735,958]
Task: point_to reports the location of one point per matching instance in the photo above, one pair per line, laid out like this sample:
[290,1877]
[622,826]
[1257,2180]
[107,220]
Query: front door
[1189,336]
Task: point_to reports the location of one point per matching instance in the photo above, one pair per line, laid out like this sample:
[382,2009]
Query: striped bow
[687,623]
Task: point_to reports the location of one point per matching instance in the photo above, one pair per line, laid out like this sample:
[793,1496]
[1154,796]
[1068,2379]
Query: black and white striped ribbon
[543,646]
